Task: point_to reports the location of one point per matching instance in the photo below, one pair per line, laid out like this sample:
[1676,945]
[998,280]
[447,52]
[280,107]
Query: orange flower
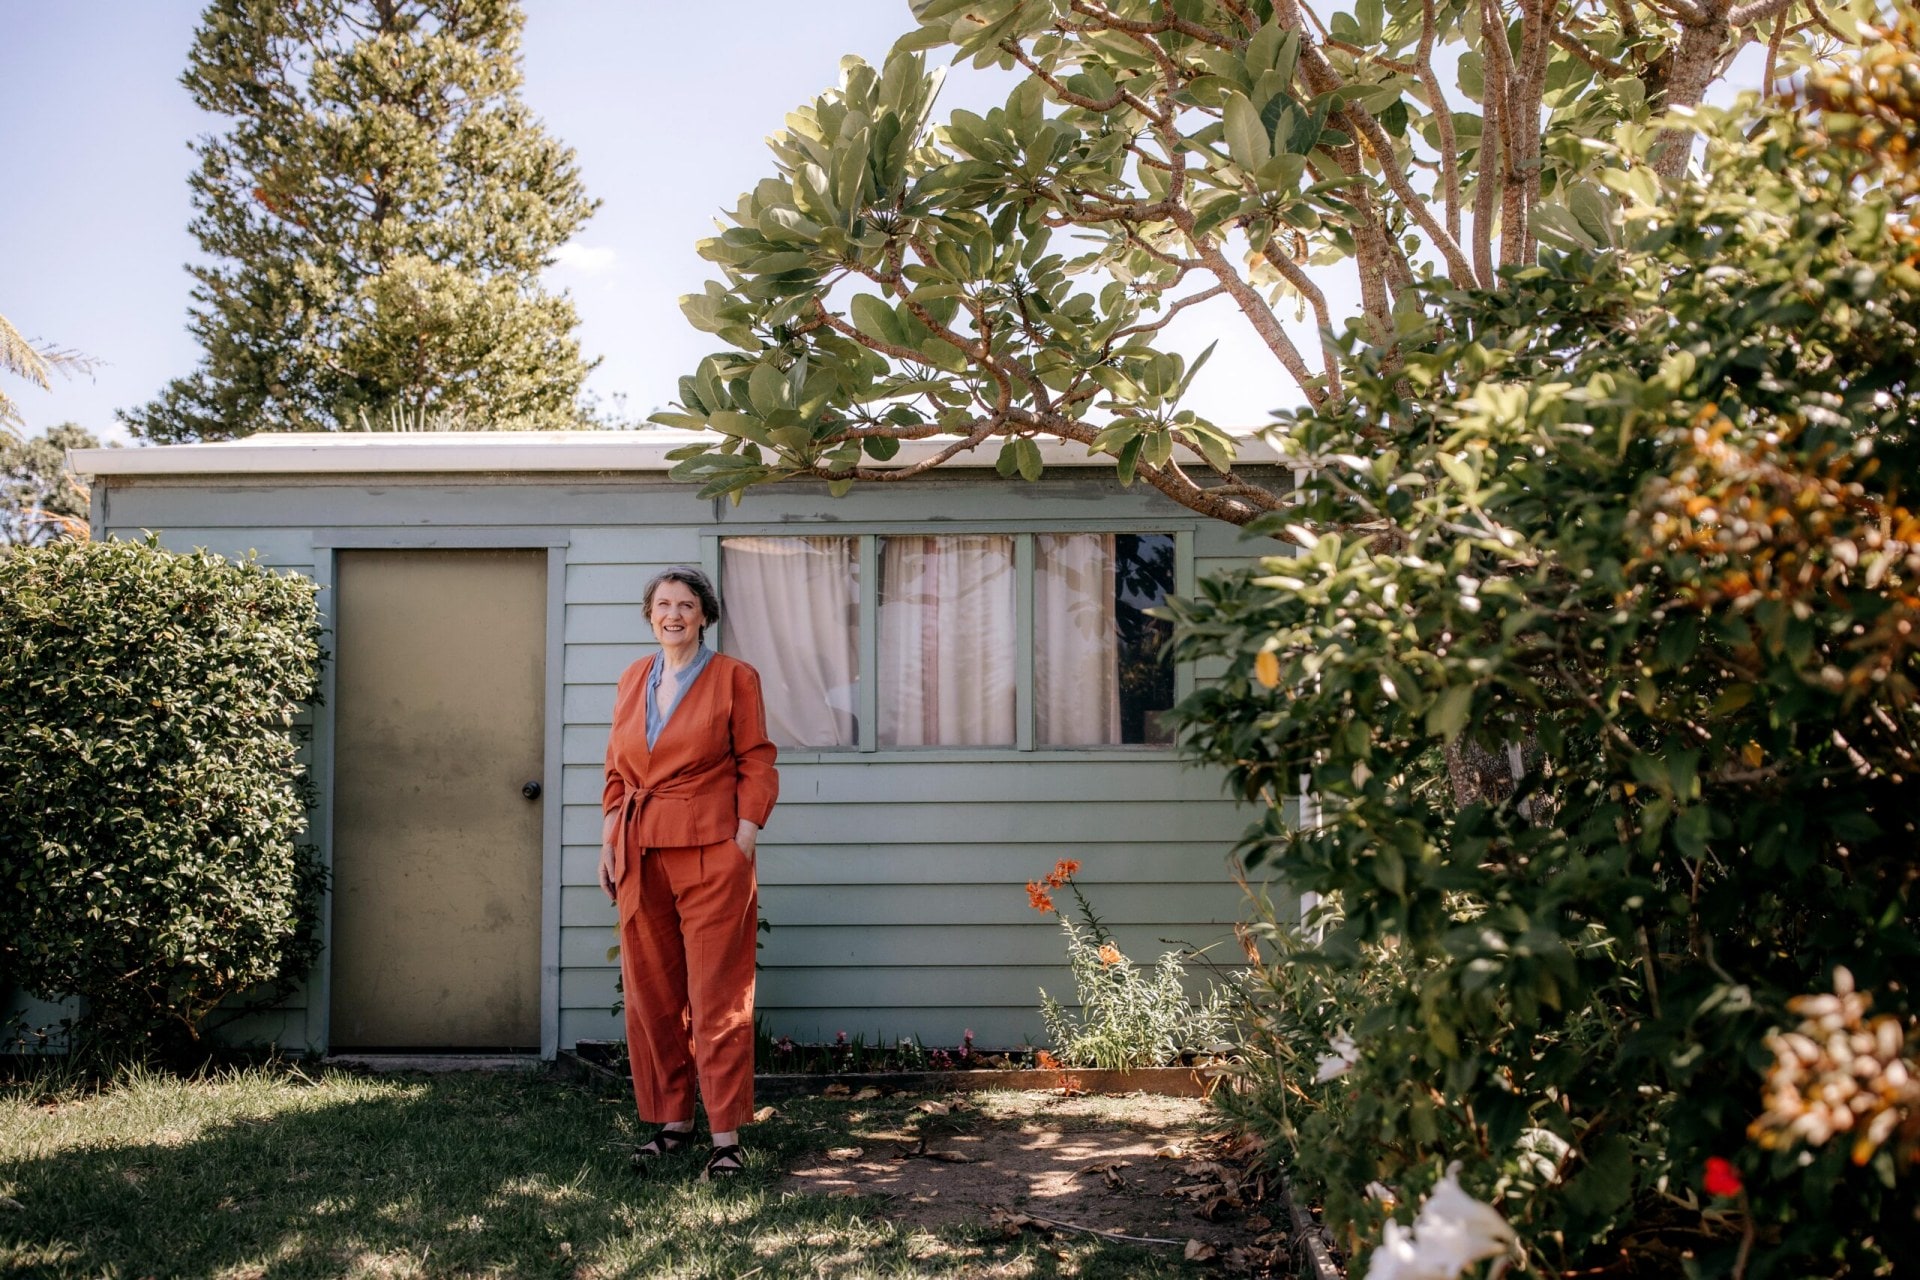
[1110,954]
[1063,871]
[1037,897]
[1044,1061]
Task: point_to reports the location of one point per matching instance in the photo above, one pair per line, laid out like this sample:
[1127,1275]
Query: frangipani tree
[1009,277]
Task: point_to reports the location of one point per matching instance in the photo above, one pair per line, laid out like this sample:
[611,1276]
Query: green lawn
[266,1173]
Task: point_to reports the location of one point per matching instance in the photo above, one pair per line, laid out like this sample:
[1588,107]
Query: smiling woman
[690,782]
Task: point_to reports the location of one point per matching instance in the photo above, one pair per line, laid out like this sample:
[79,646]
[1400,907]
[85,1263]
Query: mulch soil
[1140,1167]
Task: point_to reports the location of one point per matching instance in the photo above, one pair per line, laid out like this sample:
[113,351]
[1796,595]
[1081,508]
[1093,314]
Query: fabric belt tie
[633,802]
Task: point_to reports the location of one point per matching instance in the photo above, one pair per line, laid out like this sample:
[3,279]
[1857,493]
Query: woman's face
[676,614]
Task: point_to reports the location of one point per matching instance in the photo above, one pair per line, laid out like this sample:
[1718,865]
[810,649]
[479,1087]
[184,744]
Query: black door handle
[531,791]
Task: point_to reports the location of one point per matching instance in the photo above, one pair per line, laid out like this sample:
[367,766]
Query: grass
[266,1172]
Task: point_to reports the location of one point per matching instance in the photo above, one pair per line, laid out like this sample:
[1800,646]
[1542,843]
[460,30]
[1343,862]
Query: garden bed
[606,1060]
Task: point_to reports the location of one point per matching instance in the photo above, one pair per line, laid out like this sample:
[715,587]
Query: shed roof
[318,453]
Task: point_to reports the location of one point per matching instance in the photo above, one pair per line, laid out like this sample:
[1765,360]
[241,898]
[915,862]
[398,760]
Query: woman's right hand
[607,829]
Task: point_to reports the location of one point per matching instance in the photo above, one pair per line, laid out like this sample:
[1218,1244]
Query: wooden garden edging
[1171,1082]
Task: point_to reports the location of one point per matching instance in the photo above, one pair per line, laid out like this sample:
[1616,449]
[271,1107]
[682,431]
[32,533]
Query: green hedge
[150,798]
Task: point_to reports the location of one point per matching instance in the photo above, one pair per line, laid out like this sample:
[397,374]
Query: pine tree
[374,221]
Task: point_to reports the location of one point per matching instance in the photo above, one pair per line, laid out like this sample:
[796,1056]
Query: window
[947,642]
[955,625]
[1101,673]
[804,595]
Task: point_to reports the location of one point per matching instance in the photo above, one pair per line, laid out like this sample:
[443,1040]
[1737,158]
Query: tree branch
[1758,11]
[1258,314]
[1442,118]
[1114,22]
[1695,61]
[1283,262]
[1378,59]
[1175,309]
[1592,57]
[1396,178]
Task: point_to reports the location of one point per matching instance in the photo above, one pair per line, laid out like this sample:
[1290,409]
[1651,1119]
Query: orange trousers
[688,917]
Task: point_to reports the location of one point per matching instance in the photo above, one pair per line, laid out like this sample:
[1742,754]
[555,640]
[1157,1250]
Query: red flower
[1063,871]
[1037,897]
[1722,1178]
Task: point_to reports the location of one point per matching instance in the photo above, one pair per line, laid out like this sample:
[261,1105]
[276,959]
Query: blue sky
[666,105]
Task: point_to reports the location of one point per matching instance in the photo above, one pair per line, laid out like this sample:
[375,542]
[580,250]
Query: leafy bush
[149,794]
[1129,1016]
[1602,648]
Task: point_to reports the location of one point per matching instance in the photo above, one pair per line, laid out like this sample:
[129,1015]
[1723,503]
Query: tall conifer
[374,220]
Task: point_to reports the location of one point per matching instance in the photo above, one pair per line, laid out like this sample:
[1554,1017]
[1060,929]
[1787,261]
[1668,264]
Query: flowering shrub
[1129,1016]
[1452,1232]
[1602,649]
[1842,1074]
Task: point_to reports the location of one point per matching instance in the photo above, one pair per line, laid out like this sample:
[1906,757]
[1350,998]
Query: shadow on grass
[449,1175]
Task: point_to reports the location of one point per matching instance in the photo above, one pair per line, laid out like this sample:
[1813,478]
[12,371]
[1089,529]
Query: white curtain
[946,641]
[1076,670]
[792,613]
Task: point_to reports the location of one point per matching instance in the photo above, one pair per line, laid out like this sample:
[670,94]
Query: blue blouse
[656,719]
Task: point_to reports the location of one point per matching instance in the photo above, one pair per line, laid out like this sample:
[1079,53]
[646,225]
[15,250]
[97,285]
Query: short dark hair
[695,581]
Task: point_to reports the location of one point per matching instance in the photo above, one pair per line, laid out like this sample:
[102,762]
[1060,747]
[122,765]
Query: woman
[690,782]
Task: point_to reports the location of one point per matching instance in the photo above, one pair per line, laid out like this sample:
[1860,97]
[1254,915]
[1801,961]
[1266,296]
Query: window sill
[976,755]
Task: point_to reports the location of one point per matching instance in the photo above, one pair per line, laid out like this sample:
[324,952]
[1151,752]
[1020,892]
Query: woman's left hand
[747,837]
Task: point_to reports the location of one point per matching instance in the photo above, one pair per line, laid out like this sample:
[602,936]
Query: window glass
[947,670]
[1102,674]
[793,613]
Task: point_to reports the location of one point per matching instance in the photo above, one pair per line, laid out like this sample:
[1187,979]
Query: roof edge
[314,453]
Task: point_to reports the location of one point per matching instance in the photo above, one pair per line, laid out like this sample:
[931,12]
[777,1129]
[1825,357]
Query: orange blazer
[712,766]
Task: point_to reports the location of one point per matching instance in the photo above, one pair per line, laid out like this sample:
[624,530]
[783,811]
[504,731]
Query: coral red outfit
[687,894]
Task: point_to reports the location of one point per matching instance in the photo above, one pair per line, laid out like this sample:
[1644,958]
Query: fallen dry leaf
[1172,1151]
[764,1114]
[845,1153]
[934,1108]
[1217,1207]
[835,1091]
[870,1091]
[1200,1251]
[1259,1222]
[1244,1261]
[1008,1223]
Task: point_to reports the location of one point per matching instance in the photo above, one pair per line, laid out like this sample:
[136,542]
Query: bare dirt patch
[1136,1165]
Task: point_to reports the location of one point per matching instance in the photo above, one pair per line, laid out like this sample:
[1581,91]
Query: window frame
[1026,738]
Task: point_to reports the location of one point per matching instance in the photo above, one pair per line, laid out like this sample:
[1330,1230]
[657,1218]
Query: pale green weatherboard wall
[893,883]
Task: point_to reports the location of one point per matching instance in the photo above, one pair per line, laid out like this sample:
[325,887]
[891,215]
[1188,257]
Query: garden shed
[958,671]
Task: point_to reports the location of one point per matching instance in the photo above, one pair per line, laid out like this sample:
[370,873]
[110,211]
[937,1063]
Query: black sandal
[664,1142]
[725,1162]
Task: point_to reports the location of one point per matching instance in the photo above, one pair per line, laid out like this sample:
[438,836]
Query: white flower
[1340,1061]
[1396,1257]
[1541,1152]
[1453,1232]
[1385,1194]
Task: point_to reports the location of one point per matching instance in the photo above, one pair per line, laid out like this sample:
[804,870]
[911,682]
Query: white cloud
[586,259]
